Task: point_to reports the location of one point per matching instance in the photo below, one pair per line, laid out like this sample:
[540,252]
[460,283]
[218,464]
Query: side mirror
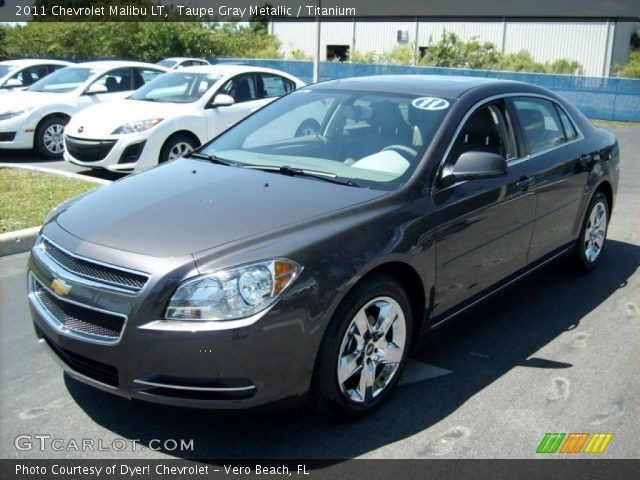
[475,165]
[96,89]
[221,100]
[13,83]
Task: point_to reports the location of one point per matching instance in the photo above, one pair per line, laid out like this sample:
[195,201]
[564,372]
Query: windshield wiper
[211,158]
[302,172]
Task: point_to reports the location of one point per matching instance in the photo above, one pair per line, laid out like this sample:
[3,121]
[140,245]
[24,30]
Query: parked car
[176,63]
[255,270]
[35,118]
[20,74]
[170,116]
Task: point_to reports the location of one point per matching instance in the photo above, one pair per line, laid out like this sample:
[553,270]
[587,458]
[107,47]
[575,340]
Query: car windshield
[367,139]
[4,69]
[167,63]
[177,87]
[63,80]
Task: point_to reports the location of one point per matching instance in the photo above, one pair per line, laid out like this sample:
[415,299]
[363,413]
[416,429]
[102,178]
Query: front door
[485,225]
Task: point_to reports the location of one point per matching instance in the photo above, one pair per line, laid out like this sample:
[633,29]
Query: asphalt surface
[555,353]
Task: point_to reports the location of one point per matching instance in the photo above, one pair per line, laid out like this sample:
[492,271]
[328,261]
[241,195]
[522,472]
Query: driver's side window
[486,130]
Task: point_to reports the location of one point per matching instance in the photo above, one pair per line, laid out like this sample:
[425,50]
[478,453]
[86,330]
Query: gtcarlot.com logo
[574,442]
[43,442]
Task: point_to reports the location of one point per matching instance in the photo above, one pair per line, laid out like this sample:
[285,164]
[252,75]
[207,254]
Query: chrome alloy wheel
[180,149]
[372,349]
[595,232]
[53,138]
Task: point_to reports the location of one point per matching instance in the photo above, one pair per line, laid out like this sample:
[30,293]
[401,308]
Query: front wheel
[49,139]
[364,350]
[175,147]
[593,234]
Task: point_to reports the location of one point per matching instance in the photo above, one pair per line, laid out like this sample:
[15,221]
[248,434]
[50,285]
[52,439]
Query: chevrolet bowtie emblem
[60,287]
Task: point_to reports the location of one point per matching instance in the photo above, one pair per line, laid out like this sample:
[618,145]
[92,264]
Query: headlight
[137,126]
[12,114]
[233,293]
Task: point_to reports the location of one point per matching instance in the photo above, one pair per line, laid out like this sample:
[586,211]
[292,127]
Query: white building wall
[586,42]
[432,32]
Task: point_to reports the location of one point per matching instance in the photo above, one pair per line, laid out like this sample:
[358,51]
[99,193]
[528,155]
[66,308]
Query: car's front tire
[593,234]
[49,138]
[175,147]
[364,350]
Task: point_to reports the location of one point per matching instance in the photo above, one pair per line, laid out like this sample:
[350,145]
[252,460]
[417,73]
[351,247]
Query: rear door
[560,170]
[485,225]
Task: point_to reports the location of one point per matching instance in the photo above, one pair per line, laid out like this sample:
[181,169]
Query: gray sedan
[278,263]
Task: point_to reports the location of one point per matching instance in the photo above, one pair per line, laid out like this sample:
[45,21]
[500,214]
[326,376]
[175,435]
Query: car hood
[189,205]
[103,118]
[21,99]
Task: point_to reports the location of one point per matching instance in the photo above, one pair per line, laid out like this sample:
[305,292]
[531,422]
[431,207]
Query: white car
[35,118]
[20,74]
[170,116]
[176,63]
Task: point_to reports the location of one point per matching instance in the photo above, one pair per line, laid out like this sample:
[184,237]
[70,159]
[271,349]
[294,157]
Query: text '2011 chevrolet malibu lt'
[275,263]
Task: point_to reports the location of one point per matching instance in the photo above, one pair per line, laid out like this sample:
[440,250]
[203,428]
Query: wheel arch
[409,279]
[62,115]
[187,133]
[606,188]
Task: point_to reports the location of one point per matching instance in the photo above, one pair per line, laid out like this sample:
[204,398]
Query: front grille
[88,150]
[133,282]
[87,322]
[7,136]
[89,368]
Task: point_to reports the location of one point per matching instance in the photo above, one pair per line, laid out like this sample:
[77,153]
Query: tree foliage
[452,52]
[148,41]
[631,69]
[3,51]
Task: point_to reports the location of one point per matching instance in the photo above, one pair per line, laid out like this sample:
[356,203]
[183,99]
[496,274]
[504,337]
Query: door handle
[524,183]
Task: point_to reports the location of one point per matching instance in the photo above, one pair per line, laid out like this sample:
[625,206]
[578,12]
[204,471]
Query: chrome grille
[131,281]
[87,322]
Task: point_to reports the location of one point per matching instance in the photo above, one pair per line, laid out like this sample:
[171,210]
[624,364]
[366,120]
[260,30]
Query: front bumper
[265,362]
[14,135]
[125,153]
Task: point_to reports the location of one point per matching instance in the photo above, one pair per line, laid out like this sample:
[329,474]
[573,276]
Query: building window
[337,52]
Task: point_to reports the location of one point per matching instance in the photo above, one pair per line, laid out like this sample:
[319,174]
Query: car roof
[109,64]
[180,59]
[230,69]
[25,62]
[448,86]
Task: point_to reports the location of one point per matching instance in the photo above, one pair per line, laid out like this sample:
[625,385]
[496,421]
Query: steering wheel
[407,153]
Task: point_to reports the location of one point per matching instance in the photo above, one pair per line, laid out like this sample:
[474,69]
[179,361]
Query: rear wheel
[49,138]
[364,350]
[593,234]
[175,147]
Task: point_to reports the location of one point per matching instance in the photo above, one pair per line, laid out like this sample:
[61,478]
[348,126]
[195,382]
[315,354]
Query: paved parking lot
[555,353]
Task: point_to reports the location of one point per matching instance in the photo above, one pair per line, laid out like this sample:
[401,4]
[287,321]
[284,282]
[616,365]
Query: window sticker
[430,103]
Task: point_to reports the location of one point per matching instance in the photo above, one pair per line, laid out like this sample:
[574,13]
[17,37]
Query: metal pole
[316,57]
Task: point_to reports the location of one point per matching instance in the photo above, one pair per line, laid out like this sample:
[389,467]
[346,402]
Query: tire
[175,147]
[49,141]
[339,388]
[308,127]
[591,242]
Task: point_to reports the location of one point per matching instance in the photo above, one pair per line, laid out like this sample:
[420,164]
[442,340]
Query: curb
[18,241]
[62,173]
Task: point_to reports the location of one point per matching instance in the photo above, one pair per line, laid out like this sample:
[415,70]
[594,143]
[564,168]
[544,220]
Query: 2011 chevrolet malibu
[268,266]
